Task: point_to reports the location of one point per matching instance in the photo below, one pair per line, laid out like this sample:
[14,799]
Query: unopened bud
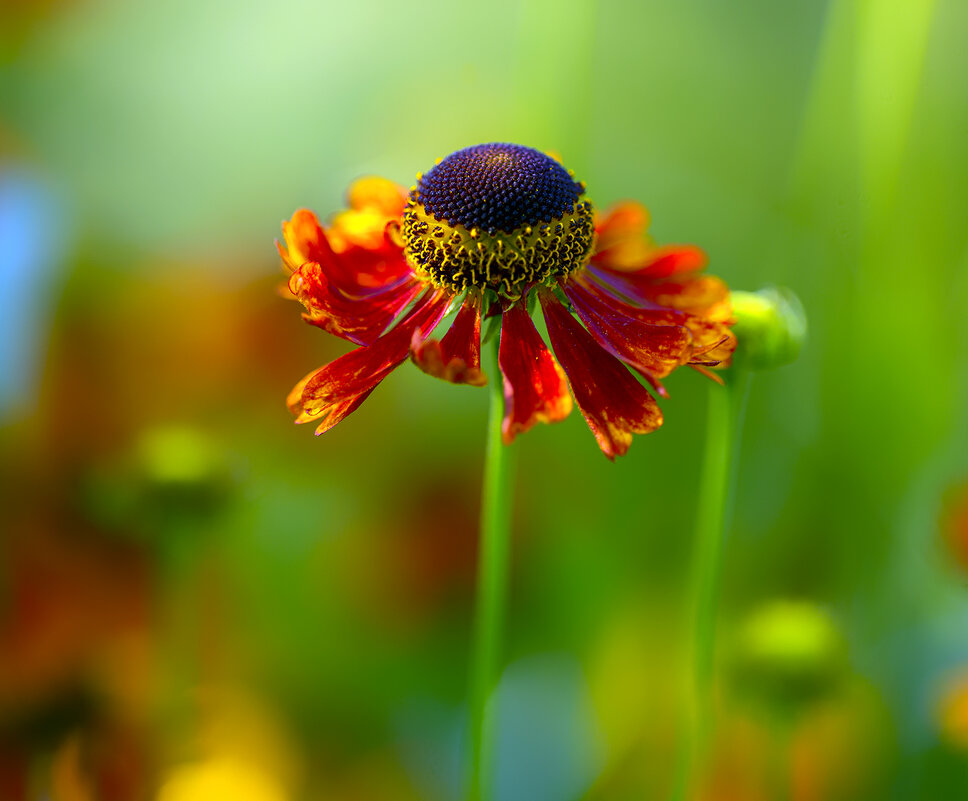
[770,328]
[789,654]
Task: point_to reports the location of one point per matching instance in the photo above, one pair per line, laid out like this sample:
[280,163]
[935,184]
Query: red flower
[486,230]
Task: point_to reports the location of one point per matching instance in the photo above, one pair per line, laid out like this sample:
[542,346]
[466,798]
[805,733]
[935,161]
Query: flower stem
[492,579]
[725,412]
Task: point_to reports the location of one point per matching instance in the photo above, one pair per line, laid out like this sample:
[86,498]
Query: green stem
[492,579]
[779,760]
[725,412]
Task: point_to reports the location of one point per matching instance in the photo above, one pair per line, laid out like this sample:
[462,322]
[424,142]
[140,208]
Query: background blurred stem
[779,759]
[492,580]
[725,413]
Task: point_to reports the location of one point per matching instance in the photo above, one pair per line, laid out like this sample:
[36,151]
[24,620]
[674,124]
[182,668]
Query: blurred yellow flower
[953,711]
[220,778]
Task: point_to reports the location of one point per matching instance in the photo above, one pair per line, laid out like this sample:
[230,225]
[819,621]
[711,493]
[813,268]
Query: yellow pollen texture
[458,258]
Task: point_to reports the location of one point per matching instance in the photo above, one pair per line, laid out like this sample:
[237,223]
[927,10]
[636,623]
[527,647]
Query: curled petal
[358,266]
[305,241]
[456,357]
[653,347]
[535,388]
[716,352]
[338,388]
[614,403]
[359,317]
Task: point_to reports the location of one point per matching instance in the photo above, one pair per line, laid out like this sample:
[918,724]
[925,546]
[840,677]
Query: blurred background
[199,600]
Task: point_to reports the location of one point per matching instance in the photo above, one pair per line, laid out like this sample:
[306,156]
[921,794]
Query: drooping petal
[704,295]
[535,388]
[614,403]
[338,388]
[456,357]
[359,317]
[710,339]
[653,347]
[334,414]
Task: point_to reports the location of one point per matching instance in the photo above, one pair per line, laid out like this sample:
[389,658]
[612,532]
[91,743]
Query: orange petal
[622,242]
[305,241]
[379,194]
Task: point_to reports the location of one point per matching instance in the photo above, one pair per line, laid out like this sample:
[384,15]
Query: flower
[489,232]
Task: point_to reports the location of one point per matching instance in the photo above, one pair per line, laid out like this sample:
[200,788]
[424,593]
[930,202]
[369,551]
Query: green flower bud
[182,471]
[788,655]
[770,328]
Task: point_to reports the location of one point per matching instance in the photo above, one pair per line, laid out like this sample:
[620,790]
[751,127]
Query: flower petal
[614,403]
[456,357]
[379,194]
[336,389]
[359,317]
[305,241]
[625,247]
[535,388]
[673,260]
[622,240]
[373,202]
[357,267]
[712,341]
[655,348]
[704,295]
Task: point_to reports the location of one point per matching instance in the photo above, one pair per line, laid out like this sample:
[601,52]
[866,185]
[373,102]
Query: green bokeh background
[815,145]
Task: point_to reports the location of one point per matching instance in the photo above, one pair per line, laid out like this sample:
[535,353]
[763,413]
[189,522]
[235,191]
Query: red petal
[624,246]
[457,357]
[654,348]
[614,403]
[333,414]
[354,269]
[673,260]
[359,317]
[711,340]
[305,241]
[336,389]
[535,388]
[639,258]
[704,296]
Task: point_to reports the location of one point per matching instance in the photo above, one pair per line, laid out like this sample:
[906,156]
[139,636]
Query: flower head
[485,233]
